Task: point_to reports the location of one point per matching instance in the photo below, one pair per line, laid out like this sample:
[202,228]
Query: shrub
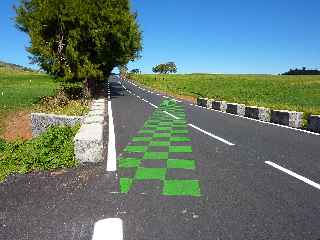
[72,90]
[54,149]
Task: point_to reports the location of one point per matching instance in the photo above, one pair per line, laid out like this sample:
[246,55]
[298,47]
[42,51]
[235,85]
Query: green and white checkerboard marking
[161,140]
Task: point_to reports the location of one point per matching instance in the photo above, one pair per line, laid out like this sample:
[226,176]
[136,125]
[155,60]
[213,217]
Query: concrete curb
[40,122]
[89,145]
[236,108]
[202,102]
[281,117]
[219,105]
[259,113]
[287,118]
[314,123]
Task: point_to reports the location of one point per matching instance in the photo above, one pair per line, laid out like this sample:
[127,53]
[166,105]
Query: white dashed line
[191,125]
[110,228]
[211,135]
[295,175]
[256,120]
[171,115]
[153,105]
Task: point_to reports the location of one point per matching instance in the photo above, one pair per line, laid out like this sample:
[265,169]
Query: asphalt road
[184,172]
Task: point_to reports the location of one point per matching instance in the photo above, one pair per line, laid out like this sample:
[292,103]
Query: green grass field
[21,90]
[300,93]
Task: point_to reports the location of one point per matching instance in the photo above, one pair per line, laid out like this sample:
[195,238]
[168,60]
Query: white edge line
[211,135]
[295,175]
[256,120]
[112,155]
[171,115]
[153,105]
[110,228]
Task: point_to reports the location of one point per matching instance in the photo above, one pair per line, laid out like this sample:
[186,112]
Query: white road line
[171,115]
[112,155]
[191,125]
[153,105]
[211,135]
[110,228]
[295,175]
[263,122]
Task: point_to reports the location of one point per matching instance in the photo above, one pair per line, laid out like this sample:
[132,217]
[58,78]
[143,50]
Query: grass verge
[297,93]
[20,90]
[31,91]
[53,149]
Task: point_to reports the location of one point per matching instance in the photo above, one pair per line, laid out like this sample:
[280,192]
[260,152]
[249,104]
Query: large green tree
[80,39]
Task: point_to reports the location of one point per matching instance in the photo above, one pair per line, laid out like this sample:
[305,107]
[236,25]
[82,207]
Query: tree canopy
[302,71]
[165,68]
[80,39]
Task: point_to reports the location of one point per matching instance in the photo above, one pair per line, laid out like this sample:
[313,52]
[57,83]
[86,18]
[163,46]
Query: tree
[165,68]
[172,68]
[123,70]
[135,71]
[80,39]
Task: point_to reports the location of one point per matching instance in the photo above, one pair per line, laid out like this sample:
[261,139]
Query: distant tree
[172,68]
[303,71]
[80,40]
[165,68]
[123,71]
[135,71]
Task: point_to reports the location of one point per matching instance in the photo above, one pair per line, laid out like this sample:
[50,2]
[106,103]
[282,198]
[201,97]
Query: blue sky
[230,36]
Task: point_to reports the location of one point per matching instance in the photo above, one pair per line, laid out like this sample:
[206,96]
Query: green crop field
[21,89]
[300,93]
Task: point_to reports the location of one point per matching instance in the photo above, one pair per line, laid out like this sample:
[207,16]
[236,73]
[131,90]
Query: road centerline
[212,135]
[293,174]
[191,125]
[110,228]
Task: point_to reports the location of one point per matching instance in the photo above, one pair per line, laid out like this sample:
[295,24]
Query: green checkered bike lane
[161,152]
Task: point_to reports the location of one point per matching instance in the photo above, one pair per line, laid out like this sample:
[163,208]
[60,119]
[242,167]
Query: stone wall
[40,122]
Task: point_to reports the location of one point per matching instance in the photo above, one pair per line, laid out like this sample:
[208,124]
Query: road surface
[183,172]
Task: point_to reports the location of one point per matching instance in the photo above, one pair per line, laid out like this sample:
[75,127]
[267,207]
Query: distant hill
[15,67]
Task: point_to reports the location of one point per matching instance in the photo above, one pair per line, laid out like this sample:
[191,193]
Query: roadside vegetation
[78,45]
[21,90]
[53,149]
[31,91]
[299,93]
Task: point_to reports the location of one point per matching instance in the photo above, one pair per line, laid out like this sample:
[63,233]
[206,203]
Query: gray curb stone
[314,123]
[96,113]
[89,145]
[287,118]
[204,102]
[236,108]
[260,113]
[40,122]
[220,105]
[93,119]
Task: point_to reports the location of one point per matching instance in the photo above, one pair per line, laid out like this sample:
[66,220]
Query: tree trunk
[89,87]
